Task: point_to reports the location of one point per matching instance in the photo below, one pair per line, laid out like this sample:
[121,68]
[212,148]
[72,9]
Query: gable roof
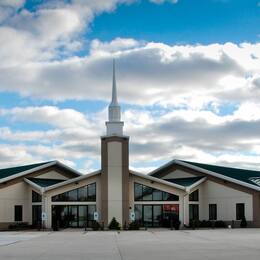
[162,181]
[45,182]
[244,177]
[186,182]
[69,181]
[15,172]
[7,172]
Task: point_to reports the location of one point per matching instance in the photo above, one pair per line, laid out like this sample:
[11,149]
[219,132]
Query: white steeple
[114,125]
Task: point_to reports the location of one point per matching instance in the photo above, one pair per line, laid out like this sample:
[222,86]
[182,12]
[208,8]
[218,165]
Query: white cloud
[186,134]
[185,85]
[49,115]
[163,1]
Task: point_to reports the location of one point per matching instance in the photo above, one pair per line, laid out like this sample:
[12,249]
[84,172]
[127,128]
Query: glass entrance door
[157,216]
[148,215]
[83,215]
[64,216]
[73,215]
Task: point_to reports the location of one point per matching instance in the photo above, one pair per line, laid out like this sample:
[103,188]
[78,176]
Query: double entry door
[64,216]
[152,215]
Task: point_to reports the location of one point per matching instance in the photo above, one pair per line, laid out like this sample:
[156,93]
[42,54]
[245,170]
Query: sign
[132,216]
[44,216]
[171,208]
[96,216]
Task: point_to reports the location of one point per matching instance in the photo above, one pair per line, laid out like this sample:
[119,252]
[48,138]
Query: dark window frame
[195,210]
[36,197]
[18,213]
[64,197]
[164,195]
[194,196]
[240,211]
[213,211]
[74,220]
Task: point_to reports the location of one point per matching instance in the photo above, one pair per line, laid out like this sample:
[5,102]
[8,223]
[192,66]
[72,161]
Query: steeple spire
[114,124]
[114,91]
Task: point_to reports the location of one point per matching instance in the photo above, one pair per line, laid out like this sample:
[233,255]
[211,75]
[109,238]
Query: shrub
[177,224]
[243,223]
[194,223]
[19,226]
[220,224]
[205,224]
[134,226]
[95,225]
[114,225]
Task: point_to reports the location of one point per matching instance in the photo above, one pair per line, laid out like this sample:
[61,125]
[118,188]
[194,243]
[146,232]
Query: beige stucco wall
[115,181]
[52,175]
[226,199]
[178,174]
[47,196]
[17,194]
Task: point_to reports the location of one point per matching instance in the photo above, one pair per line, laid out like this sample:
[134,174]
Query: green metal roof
[247,176]
[186,182]
[44,182]
[7,172]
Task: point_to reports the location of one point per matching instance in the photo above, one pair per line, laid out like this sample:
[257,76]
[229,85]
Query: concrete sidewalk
[140,245]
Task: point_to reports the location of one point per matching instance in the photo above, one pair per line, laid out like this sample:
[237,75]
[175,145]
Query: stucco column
[186,209]
[45,223]
[115,179]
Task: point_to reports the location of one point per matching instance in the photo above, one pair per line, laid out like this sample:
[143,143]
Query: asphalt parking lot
[140,245]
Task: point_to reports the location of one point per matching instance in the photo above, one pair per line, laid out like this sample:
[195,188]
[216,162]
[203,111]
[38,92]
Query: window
[72,195]
[158,195]
[73,215]
[146,193]
[36,215]
[36,197]
[92,192]
[240,211]
[194,196]
[138,191]
[156,215]
[86,193]
[18,213]
[194,211]
[212,211]
[170,197]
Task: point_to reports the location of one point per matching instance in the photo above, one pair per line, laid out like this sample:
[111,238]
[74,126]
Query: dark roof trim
[202,170]
[37,168]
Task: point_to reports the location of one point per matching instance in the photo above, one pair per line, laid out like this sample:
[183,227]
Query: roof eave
[195,184]
[196,168]
[20,174]
[79,178]
[151,178]
[162,167]
[34,185]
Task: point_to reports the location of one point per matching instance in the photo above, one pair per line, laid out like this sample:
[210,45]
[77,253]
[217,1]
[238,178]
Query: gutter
[82,177]
[148,177]
[189,188]
[35,186]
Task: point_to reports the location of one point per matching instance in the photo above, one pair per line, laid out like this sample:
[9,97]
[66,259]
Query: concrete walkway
[234,244]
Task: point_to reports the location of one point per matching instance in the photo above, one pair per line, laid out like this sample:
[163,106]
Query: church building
[54,194]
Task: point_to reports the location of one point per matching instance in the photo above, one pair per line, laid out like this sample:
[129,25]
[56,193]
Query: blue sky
[187,22]
[187,71]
